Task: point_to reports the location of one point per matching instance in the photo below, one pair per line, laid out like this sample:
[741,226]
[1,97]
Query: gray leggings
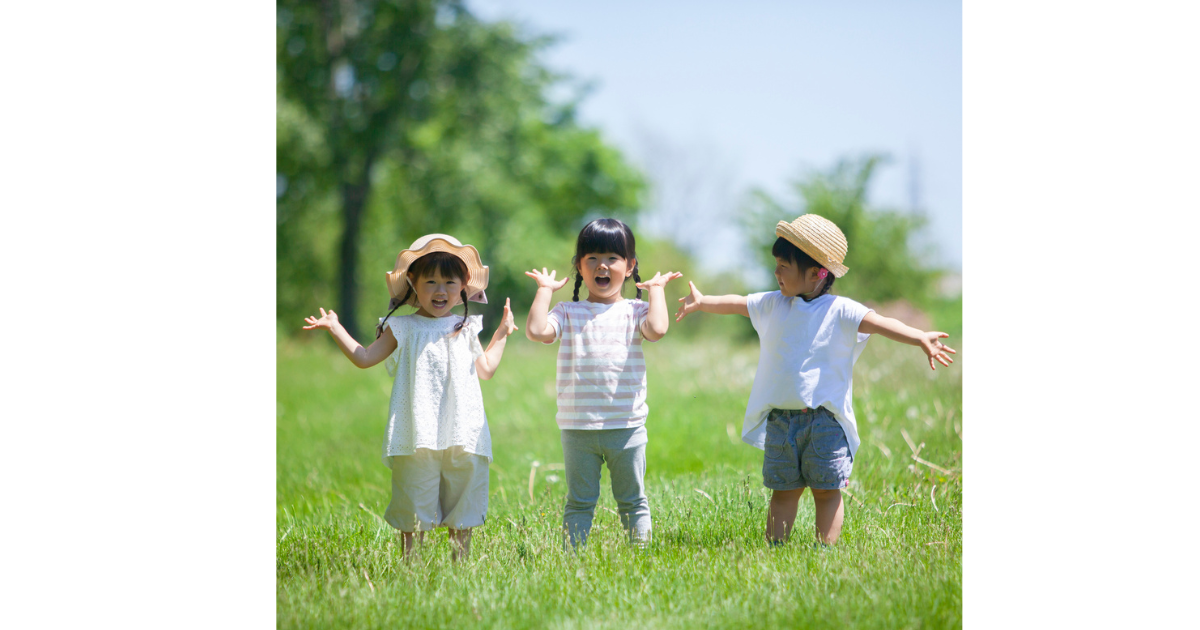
[625,452]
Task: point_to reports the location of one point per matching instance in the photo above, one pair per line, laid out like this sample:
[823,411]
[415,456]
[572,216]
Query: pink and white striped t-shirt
[601,376]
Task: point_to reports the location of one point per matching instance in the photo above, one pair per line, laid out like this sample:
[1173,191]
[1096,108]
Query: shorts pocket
[776,441]
[826,438]
[781,465]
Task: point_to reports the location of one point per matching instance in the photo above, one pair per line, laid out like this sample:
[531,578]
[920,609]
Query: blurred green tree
[885,262]
[396,119]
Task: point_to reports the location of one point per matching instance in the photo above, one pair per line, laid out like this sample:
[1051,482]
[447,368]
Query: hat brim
[477,272]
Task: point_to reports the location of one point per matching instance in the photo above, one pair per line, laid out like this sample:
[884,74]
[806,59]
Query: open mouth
[603,282]
[439,304]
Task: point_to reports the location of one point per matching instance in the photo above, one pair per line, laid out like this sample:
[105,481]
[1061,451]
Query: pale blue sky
[712,98]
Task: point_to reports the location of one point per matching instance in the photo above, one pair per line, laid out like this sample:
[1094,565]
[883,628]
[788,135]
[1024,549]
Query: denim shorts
[805,447]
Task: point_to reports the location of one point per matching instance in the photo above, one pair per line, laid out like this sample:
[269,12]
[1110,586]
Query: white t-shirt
[806,359]
[436,401]
[601,379]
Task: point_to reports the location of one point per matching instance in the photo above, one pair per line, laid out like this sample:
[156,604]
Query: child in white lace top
[437,442]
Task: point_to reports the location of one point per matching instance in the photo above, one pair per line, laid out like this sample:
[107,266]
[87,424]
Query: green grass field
[898,563]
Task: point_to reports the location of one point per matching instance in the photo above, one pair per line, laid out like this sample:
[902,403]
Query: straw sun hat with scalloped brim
[818,237]
[398,285]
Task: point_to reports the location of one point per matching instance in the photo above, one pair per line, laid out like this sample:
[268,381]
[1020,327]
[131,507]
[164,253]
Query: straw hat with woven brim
[398,284]
[818,237]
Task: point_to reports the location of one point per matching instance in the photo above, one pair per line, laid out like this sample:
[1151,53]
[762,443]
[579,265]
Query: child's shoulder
[828,304]
[420,322]
[584,309]
[764,301]
[843,303]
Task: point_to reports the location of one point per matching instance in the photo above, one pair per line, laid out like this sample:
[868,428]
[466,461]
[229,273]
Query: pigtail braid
[578,282]
[466,308]
[637,280]
[394,304]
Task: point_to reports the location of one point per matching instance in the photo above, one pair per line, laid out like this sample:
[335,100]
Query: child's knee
[629,505]
[826,495]
[580,504]
[786,496]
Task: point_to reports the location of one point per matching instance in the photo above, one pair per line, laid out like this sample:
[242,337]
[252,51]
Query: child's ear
[632,266]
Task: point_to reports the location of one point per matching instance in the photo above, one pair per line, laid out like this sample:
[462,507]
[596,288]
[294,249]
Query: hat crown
[826,233]
[425,240]
[818,237]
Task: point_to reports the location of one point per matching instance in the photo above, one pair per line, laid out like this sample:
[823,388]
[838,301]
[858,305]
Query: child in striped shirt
[601,376]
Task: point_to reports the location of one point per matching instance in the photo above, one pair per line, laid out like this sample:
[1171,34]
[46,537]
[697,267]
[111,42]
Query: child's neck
[424,313]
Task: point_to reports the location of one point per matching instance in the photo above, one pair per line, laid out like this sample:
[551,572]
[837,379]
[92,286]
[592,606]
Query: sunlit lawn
[897,565]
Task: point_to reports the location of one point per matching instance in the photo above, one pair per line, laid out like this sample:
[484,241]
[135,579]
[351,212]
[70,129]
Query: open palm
[546,279]
[327,321]
[507,324]
[936,349]
[659,279]
[691,302]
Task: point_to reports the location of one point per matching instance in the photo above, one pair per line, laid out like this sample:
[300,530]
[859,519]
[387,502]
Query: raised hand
[936,349]
[659,280]
[691,302]
[546,279]
[507,325]
[328,321]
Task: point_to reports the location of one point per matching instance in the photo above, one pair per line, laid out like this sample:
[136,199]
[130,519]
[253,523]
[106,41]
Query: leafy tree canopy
[397,119]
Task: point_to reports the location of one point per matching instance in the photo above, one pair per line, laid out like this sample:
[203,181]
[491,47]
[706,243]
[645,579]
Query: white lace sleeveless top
[436,402]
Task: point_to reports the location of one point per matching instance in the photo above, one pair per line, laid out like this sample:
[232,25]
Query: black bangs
[606,235]
[784,249]
[446,264]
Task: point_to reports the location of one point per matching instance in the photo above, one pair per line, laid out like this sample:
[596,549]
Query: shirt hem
[470,449]
[601,426]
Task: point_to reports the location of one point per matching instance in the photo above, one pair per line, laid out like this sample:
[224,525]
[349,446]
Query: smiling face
[437,293]
[603,274]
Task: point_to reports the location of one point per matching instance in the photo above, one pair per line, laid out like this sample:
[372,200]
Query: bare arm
[536,326]
[719,304]
[897,330]
[358,355]
[657,320]
[487,363]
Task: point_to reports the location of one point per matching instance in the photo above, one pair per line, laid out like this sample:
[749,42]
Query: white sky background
[713,98]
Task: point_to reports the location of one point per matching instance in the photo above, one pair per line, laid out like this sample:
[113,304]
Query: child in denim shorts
[800,409]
